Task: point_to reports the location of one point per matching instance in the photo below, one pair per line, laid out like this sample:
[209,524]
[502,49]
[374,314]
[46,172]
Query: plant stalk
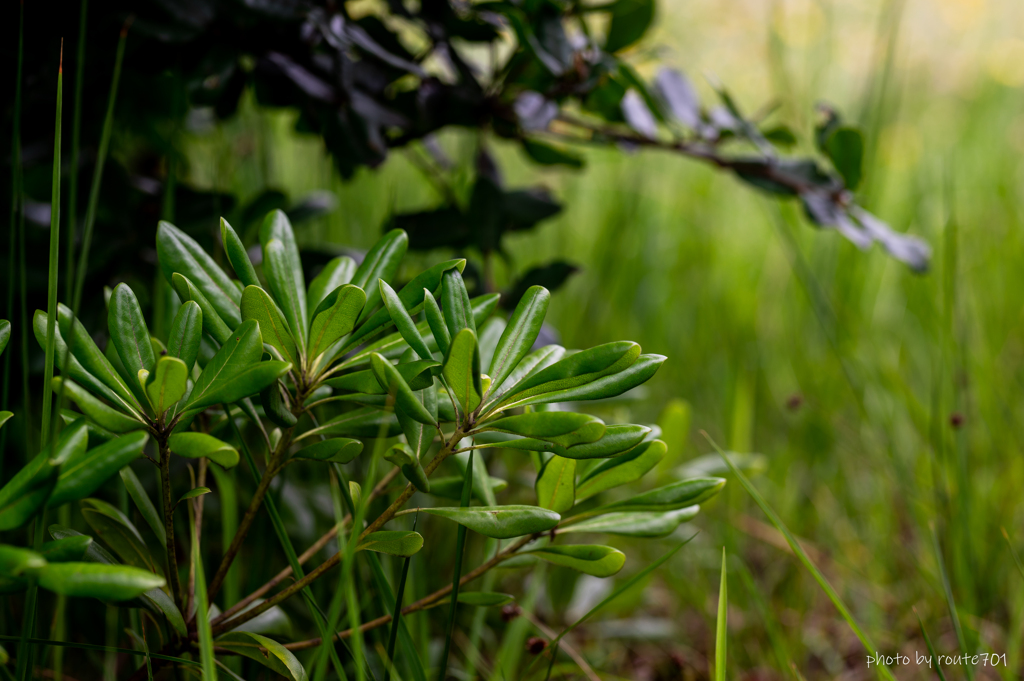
[51,293]
[165,486]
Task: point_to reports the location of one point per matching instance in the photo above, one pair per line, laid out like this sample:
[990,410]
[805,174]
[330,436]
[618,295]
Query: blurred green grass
[844,368]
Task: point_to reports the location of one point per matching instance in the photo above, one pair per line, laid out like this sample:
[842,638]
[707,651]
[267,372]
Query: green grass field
[884,403]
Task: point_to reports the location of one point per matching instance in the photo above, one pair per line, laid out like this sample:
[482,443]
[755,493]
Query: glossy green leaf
[15,561]
[98,580]
[621,470]
[634,524]
[275,407]
[392,542]
[237,255]
[575,370]
[363,422]
[5,416]
[92,360]
[455,304]
[409,296]
[556,484]
[193,493]
[380,262]
[128,331]
[403,322]
[118,532]
[616,442]
[403,456]
[67,550]
[277,658]
[248,382]
[283,270]
[519,335]
[83,473]
[28,490]
[563,428]
[335,317]
[96,411]
[198,445]
[393,345]
[258,305]
[488,335]
[462,370]
[178,253]
[70,366]
[212,322]
[186,334]
[590,559]
[337,449]
[608,386]
[167,384]
[244,350]
[418,375]
[671,497]
[450,487]
[145,505]
[5,334]
[435,320]
[500,522]
[335,273]
[419,436]
[390,379]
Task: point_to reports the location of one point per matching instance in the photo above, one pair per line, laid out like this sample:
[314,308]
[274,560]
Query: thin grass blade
[460,550]
[723,623]
[883,671]
[931,648]
[947,590]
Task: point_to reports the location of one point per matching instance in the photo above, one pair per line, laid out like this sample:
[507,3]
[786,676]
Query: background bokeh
[886,404]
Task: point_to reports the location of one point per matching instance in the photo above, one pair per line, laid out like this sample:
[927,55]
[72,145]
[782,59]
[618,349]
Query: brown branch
[424,602]
[306,555]
[707,152]
[172,558]
[297,586]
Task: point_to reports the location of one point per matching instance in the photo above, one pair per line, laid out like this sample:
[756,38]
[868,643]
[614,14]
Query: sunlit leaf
[499,522]
[83,473]
[591,559]
[198,445]
[392,542]
[257,304]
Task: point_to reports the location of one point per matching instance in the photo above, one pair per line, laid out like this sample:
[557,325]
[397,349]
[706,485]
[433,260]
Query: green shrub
[354,381]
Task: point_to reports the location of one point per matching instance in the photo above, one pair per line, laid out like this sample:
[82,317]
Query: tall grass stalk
[76,129]
[950,603]
[460,551]
[53,272]
[883,671]
[722,625]
[396,616]
[931,648]
[13,265]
